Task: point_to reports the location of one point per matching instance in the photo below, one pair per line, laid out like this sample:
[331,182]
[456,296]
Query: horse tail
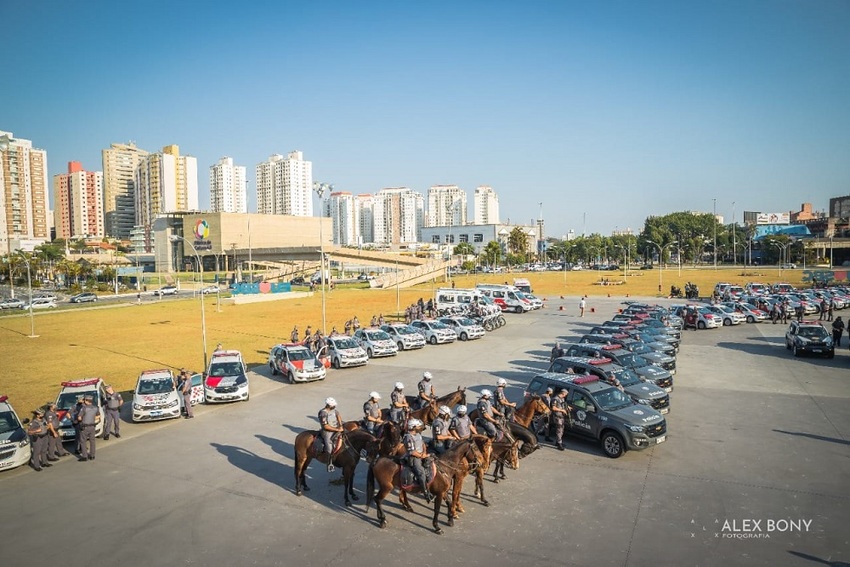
[370,486]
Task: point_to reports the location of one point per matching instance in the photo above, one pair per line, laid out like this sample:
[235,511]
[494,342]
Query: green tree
[464,249]
[518,243]
[492,254]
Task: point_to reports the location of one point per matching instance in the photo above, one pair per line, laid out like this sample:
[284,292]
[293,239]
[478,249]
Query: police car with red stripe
[73,391]
[226,378]
[297,362]
[15,446]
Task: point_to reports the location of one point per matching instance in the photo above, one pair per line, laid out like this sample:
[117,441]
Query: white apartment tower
[446,206]
[119,188]
[342,207]
[228,189]
[486,205]
[285,186]
[365,204]
[398,216]
[78,202]
[23,193]
[165,182]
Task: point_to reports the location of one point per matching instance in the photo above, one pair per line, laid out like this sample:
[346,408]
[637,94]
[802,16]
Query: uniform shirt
[51,418]
[114,401]
[329,417]
[372,409]
[462,425]
[484,407]
[559,403]
[88,414]
[37,427]
[413,443]
[547,399]
[424,387]
[397,397]
[499,394]
[75,413]
[440,427]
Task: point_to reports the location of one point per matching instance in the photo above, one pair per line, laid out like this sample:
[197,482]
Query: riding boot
[425,492]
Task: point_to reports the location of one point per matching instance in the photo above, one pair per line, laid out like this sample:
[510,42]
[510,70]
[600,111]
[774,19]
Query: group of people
[313,340]
[419,310]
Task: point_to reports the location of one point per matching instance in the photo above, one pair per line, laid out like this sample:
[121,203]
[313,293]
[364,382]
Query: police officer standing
[75,414]
[186,392]
[54,440]
[37,430]
[487,420]
[372,413]
[426,391]
[293,336]
[544,419]
[461,426]
[113,401]
[331,424]
[559,416]
[89,417]
[398,405]
[441,437]
[501,400]
[416,452]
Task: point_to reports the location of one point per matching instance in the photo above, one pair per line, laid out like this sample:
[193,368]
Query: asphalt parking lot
[754,472]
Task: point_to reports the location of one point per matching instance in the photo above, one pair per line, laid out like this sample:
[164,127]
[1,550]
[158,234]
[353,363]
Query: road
[755,436]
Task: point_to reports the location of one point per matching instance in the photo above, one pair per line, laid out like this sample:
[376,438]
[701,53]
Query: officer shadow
[271,471]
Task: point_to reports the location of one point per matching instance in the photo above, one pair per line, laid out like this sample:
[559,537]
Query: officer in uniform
[441,437]
[559,416]
[398,405]
[461,426]
[372,413]
[54,440]
[488,413]
[426,391]
[293,336]
[186,392]
[544,419]
[88,417]
[501,400]
[331,424]
[37,430]
[114,401]
[416,452]
[75,414]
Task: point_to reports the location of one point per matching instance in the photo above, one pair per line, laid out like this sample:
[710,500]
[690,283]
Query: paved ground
[755,436]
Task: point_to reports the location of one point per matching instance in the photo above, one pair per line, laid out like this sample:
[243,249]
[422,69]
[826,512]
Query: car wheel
[464,336]
[290,377]
[612,444]
[369,352]
[727,322]
[400,345]
[795,351]
[502,321]
[335,363]
[787,346]
[518,309]
[273,369]
[831,354]
[433,340]
[701,325]
[751,319]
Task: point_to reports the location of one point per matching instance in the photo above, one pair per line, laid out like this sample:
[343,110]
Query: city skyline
[605,113]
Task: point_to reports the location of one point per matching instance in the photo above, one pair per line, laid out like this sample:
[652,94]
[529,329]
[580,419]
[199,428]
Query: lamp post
[320,189]
[625,257]
[714,226]
[32,334]
[660,261]
[734,238]
[175,238]
[782,253]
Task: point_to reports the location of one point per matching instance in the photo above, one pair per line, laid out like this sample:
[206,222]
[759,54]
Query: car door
[582,421]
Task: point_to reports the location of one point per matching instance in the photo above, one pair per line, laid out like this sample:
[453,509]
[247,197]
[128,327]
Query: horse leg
[479,486]
[351,486]
[379,500]
[304,473]
[402,498]
[501,469]
[438,501]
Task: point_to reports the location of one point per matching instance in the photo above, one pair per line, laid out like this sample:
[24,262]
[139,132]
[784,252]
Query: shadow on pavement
[813,436]
[814,559]
[271,471]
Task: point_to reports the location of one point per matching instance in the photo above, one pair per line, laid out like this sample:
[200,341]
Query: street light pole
[714,225]
[319,189]
[32,334]
[660,261]
[734,238]
[175,238]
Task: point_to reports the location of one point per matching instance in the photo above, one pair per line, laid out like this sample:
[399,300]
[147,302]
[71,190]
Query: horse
[519,428]
[503,452]
[389,441]
[451,400]
[387,473]
[347,457]
[485,447]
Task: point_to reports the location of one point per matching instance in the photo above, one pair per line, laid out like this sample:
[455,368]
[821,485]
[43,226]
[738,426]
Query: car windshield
[300,354]
[612,399]
[405,331]
[466,322]
[630,361]
[345,343]
[377,336]
[8,422]
[155,386]
[626,377]
[640,348]
[438,325]
[812,332]
[68,400]
[225,369]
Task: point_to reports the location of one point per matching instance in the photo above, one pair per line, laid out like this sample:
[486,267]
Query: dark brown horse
[389,440]
[387,472]
[519,428]
[347,457]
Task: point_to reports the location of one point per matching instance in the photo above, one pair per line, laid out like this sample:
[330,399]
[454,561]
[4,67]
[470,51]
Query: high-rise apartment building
[398,216]
[119,188]
[285,185]
[78,202]
[486,203]
[446,206]
[365,204]
[23,194]
[342,207]
[165,182]
[228,187]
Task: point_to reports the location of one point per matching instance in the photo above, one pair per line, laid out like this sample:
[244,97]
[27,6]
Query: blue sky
[613,110]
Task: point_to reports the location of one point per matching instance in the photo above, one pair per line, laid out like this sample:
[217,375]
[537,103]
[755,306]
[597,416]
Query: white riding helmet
[330,402]
[413,424]
[375,395]
[501,382]
[399,386]
[486,393]
[461,410]
[427,376]
[445,410]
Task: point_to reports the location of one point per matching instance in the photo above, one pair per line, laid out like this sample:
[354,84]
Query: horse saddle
[408,477]
[319,445]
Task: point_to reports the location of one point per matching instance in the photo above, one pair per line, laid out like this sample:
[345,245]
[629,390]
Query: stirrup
[331,467]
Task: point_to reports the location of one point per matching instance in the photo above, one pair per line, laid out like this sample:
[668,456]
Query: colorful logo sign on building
[202,229]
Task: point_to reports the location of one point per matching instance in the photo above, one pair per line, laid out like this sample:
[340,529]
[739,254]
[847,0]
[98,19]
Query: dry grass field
[117,342]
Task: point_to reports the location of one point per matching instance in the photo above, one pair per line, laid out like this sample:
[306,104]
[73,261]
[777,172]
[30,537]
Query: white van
[523,285]
[155,396]
[505,296]
[450,298]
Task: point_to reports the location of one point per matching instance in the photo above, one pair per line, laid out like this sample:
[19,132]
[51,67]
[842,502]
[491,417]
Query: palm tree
[492,253]
[518,242]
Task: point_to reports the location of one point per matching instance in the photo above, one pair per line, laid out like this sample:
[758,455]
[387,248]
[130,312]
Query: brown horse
[387,473]
[390,444]
[347,457]
[503,452]
[519,428]
[478,468]
[532,407]
[428,413]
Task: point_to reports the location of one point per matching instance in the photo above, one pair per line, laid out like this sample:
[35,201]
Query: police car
[226,379]
[297,362]
[405,336]
[600,412]
[376,343]
[69,394]
[344,351]
[15,446]
[464,327]
[809,337]
[636,363]
[434,331]
[155,396]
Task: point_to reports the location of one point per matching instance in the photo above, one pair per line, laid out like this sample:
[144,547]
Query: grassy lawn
[117,343]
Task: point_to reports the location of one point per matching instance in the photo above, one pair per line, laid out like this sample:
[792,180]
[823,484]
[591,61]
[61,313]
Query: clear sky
[614,109]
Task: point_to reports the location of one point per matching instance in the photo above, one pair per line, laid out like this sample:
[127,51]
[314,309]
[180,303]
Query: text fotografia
[761,528]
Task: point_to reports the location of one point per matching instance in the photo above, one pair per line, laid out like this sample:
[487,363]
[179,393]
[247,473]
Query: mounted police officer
[461,426]
[501,402]
[441,437]
[416,453]
[88,418]
[37,430]
[372,413]
[426,391]
[398,405]
[113,401]
[331,424]
[488,414]
[560,412]
[54,438]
